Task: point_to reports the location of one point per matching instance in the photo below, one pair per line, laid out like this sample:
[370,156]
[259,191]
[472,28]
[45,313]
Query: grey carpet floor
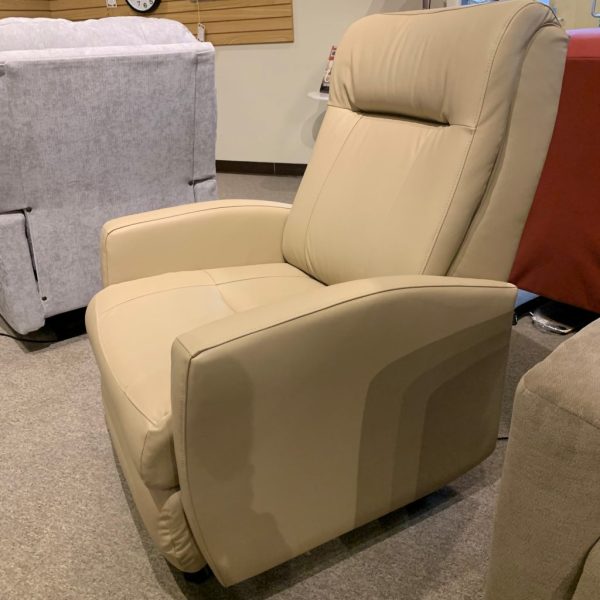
[68,529]
[253,187]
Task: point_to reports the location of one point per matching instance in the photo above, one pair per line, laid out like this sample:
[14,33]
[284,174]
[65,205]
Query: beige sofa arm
[588,586]
[548,515]
[296,422]
[204,235]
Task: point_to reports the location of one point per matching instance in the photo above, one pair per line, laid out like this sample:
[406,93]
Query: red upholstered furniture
[559,253]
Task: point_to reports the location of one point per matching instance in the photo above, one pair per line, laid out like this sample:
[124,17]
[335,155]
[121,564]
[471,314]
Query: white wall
[575,14]
[264,112]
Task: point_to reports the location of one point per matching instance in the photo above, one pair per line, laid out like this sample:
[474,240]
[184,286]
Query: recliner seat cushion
[136,323]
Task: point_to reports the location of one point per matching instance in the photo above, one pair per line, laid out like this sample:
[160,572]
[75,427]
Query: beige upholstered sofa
[547,533]
[274,377]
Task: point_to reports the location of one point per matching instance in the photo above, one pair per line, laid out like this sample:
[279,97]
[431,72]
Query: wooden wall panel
[24,8]
[226,21]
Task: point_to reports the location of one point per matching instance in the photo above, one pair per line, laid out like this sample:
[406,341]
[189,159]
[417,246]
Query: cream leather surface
[193,236]
[437,75]
[173,303]
[446,111]
[273,378]
[339,405]
[166,524]
[493,236]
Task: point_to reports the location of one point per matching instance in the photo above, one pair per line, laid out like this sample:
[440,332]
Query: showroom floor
[68,530]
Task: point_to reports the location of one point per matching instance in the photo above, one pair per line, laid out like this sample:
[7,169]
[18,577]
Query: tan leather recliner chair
[275,376]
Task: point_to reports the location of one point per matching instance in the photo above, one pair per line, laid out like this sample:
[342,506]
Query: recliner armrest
[204,235]
[313,412]
[463,298]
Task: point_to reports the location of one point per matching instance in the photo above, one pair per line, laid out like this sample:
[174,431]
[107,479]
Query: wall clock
[143,6]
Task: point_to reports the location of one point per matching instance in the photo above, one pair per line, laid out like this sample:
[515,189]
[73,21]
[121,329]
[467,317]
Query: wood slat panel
[166,5]
[21,13]
[226,21]
[284,23]
[24,8]
[252,37]
[25,5]
[209,16]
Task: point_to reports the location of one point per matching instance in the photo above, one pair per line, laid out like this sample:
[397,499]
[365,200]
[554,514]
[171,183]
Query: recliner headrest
[434,65]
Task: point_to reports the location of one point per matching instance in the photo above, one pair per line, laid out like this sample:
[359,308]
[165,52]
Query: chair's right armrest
[548,514]
[189,237]
[289,420]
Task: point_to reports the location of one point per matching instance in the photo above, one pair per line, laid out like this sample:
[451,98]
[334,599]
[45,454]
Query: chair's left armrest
[205,235]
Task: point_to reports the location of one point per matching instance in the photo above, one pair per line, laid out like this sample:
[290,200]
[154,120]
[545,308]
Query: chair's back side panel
[492,240]
[559,252]
[98,133]
[419,112]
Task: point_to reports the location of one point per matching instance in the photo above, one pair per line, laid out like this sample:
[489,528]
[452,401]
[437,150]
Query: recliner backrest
[430,113]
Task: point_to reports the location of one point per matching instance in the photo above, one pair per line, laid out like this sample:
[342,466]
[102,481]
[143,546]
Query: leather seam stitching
[191,212]
[205,553]
[459,254]
[142,456]
[196,210]
[325,180]
[264,277]
[337,304]
[155,293]
[470,146]
[118,382]
[216,285]
[199,285]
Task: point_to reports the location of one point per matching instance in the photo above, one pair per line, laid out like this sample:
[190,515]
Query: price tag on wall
[201,32]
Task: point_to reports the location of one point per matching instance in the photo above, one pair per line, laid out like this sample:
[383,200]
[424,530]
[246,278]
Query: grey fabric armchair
[99,119]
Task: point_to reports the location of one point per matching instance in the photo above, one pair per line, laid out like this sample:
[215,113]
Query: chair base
[160,510]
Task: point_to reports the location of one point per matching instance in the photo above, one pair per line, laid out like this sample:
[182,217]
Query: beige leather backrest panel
[419,111]
[492,240]
[364,216]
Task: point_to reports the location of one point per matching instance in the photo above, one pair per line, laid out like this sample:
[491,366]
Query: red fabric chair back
[559,252]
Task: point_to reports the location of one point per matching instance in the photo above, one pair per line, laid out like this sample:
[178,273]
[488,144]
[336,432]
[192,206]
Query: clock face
[143,6]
